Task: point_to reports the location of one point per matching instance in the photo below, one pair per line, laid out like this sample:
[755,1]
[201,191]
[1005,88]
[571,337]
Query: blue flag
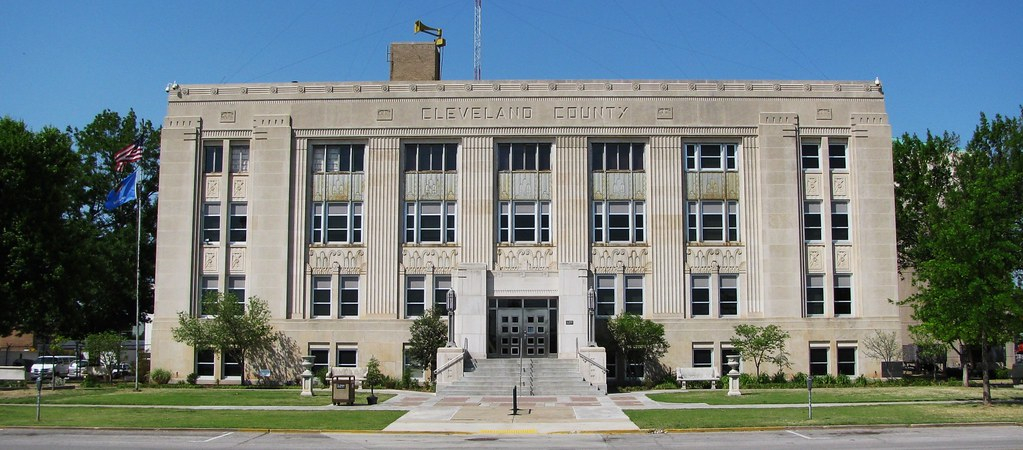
[123,193]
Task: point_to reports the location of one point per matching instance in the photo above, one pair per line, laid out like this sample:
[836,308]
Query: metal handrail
[450,363]
[472,360]
[591,361]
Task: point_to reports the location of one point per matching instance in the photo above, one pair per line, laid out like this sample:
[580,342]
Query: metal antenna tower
[477,41]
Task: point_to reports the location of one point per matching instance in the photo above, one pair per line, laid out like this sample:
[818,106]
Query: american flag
[129,154]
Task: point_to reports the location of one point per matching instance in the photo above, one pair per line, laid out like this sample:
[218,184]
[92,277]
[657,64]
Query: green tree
[105,349]
[761,344]
[967,273]
[228,328]
[638,338]
[373,375]
[429,333]
[923,175]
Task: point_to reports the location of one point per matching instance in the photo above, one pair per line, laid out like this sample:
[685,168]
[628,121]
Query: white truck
[48,366]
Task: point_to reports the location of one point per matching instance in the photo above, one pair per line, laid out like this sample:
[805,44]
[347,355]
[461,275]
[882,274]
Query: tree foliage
[883,346]
[229,329]
[636,337]
[761,344]
[969,252]
[105,349]
[429,333]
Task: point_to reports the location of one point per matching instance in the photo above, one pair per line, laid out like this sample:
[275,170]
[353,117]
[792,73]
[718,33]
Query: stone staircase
[539,376]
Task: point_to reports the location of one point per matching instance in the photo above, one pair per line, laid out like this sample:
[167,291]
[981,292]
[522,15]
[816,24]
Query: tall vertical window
[711,157]
[231,365]
[846,359]
[700,295]
[337,222]
[441,286]
[524,157]
[208,289]
[321,357]
[525,222]
[321,296]
[348,297]
[818,361]
[811,156]
[837,157]
[236,287]
[634,294]
[239,158]
[618,221]
[347,356]
[430,222]
[205,362]
[237,223]
[840,221]
[213,158]
[728,295]
[814,295]
[211,223]
[843,295]
[338,157]
[812,223]
[415,296]
[712,221]
[617,156]
[431,157]
[604,288]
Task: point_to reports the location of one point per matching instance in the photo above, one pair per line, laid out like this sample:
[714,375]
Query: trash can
[342,389]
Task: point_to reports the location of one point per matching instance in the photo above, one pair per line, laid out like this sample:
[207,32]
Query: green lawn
[663,419]
[835,395]
[183,397]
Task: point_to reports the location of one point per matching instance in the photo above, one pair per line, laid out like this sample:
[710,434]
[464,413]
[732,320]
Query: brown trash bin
[342,389]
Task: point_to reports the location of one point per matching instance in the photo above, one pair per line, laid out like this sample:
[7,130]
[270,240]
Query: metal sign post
[809,397]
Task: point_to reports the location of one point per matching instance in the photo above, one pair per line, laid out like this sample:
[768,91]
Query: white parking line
[216,437]
[800,435]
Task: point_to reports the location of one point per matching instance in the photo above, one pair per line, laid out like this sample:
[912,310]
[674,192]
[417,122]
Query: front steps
[535,376]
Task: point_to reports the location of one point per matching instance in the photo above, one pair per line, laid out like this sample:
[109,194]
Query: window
[701,295]
[814,295]
[415,296]
[321,296]
[211,223]
[347,356]
[525,222]
[524,157]
[342,223]
[431,157]
[703,356]
[348,297]
[236,287]
[811,157]
[812,221]
[605,291]
[847,361]
[712,221]
[843,295]
[208,289]
[237,223]
[711,157]
[239,158]
[338,158]
[430,222]
[728,295]
[213,158]
[836,157]
[408,366]
[321,357]
[612,365]
[232,366]
[617,156]
[441,286]
[634,368]
[205,363]
[840,221]
[618,222]
[634,294]
[818,361]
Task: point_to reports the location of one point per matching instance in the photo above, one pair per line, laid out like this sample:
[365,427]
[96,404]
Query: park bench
[358,372]
[686,374]
[12,373]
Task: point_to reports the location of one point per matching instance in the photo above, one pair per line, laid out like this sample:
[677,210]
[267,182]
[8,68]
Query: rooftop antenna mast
[477,41]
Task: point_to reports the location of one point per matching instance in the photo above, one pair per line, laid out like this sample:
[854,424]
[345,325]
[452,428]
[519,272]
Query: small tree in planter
[373,378]
[885,347]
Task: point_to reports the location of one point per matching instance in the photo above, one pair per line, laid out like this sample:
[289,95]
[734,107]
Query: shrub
[406,378]
[799,379]
[192,378]
[321,375]
[1002,373]
[746,379]
[763,379]
[778,377]
[843,380]
[160,376]
[861,381]
[90,381]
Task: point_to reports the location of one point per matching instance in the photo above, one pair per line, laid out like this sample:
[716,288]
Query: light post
[450,299]
[591,306]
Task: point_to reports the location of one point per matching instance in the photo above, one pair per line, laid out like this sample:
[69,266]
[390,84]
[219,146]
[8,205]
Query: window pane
[818,361]
[710,156]
[811,156]
[836,156]
[347,357]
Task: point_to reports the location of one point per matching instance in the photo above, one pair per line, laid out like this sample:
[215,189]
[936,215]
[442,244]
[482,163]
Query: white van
[47,366]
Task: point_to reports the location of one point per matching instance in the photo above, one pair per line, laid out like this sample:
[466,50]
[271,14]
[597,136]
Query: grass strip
[55,416]
[662,419]
[834,395]
[184,397]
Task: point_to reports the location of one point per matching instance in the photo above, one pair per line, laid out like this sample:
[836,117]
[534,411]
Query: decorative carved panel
[732,185]
[812,185]
[692,185]
[815,258]
[712,186]
[237,262]
[545,186]
[715,259]
[525,186]
[349,261]
[429,259]
[599,183]
[212,187]
[532,259]
[239,189]
[843,258]
[620,259]
[209,260]
[840,185]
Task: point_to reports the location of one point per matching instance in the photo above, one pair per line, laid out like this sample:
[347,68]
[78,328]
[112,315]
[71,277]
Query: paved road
[930,438]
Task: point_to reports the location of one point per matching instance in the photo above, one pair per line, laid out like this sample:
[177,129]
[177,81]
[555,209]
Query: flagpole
[138,263]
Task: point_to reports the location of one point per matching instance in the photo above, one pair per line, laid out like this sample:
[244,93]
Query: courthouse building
[353,207]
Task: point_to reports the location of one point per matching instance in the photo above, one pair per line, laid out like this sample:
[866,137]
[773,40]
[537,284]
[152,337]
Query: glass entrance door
[522,327]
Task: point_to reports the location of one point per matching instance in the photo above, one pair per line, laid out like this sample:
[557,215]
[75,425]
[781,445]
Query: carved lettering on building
[590,112]
[478,113]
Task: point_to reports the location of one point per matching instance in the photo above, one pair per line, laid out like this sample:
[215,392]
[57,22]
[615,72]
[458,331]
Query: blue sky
[941,62]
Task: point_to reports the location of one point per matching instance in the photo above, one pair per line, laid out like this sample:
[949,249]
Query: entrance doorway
[522,327]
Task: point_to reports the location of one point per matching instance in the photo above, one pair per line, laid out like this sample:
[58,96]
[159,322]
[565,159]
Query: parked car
[48,366]
[120,370]
[78,369]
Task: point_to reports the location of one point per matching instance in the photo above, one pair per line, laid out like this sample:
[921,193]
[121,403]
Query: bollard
[515,400]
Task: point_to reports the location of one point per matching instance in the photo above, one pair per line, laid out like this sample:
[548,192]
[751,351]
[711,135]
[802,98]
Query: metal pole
[450,300]
[591,305]
[138,265]
[809,397]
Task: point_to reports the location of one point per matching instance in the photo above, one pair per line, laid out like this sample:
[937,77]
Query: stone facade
[698,204]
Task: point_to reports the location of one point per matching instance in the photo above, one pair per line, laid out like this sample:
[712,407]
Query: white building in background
[352,207]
